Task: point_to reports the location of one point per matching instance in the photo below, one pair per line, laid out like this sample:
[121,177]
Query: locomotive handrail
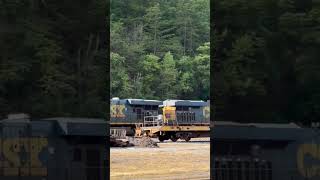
[152,121]
[118,133]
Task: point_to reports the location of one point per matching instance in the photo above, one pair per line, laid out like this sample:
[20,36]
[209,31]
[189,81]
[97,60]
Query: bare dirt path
[180,160]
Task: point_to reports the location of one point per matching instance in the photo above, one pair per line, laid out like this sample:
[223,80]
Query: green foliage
[266,65]
[119,73]
[150,70]
[52,58]
[168,76]
[201,73]
[158,41]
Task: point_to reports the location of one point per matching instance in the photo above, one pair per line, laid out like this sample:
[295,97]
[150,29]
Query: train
[257,151]
[53,148]
[179,119]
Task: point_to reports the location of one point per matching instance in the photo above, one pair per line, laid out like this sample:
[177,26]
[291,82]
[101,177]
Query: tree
[151,67]
[120,86]
[168,76]
[45,71]
[143,32]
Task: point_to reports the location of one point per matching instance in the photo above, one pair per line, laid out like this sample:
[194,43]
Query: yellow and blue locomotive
[257,151]
[172,119]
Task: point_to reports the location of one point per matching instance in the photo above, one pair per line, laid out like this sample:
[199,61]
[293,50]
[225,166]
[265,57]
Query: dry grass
[171,161]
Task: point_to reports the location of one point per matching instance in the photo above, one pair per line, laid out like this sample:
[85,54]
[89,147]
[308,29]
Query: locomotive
[173,119]
[128,113]
[53,148]
[264,152]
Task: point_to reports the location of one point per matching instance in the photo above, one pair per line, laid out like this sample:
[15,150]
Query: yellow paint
[12,164]
[308,170]
[36,166]
[206,112]
[185,128]
[10,152]
[117,110]
[154,130]
[169,113]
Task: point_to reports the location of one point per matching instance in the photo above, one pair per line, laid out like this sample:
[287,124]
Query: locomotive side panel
[37,149]
[131,111]
[251,151]
[190,112]
[119,112]
[306,153]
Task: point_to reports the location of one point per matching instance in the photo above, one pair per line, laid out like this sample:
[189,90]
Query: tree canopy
[265,61]
[53,58]
[160,49]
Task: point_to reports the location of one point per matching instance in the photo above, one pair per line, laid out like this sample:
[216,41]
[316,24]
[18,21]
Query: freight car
[51,149]
[264,152]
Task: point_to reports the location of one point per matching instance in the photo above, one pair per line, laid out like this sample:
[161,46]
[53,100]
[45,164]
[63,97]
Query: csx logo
[308,160]
[117,110]
[21,156]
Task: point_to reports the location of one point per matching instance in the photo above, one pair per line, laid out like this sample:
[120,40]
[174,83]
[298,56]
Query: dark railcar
[55,148]
[132,111]
[127,113]
[265,151]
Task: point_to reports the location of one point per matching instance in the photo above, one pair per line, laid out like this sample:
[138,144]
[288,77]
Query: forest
[264,56]
[266,64]
[53,58]
[160,49]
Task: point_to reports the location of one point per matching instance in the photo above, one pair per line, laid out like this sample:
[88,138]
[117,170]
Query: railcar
[128,113]
[181,119]
[264,152]
[169,119]
[54,148]
[189,112]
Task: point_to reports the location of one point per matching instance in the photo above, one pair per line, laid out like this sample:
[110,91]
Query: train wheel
[187,139]
[173,138]
[161,138]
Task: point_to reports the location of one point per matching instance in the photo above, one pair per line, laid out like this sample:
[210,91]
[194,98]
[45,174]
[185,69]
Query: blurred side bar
[54,148]
[265,152]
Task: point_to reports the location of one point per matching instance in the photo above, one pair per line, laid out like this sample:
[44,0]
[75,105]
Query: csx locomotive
[264,152]
[54,148]
[184,118]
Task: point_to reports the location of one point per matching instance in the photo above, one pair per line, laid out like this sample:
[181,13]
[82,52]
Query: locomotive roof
[76,120]
[260,131]
[195,103]
[81,126]
[144,102]
[64,126]
[258,125]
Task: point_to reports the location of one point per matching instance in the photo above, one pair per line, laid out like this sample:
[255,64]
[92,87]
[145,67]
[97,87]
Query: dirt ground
[179,160]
